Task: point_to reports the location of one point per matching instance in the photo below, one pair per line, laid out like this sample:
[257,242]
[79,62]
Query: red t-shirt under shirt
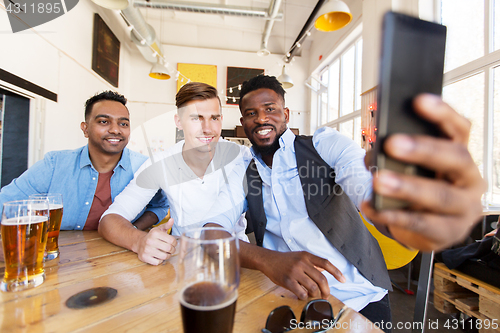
[101,202]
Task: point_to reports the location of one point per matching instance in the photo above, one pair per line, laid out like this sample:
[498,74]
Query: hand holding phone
[412,63]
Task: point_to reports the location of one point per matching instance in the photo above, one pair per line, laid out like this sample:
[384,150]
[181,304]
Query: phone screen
[412,63]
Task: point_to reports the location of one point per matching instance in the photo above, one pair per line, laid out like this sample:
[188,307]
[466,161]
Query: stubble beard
[273,147]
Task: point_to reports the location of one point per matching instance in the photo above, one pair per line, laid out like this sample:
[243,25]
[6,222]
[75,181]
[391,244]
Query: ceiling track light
[327,15]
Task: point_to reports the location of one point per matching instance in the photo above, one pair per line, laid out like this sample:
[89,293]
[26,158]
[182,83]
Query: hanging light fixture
[112,4]
[333,15]
[285,79]
[159,71]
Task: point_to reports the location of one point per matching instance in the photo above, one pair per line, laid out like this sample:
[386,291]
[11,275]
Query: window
[334,90]
[339,101]
[495,177]
[472,80]
[465,36]
[471,106]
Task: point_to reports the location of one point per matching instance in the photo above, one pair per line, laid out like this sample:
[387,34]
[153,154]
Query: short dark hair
[104,96]
[194,91]
[262,81]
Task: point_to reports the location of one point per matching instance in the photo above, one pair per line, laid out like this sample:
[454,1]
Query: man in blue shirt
[89,178]
[296,251]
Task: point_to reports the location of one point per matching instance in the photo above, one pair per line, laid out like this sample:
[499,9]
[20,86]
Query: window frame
[486,65]
[357,67]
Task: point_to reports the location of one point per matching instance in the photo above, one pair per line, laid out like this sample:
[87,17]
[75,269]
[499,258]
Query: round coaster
[91,297]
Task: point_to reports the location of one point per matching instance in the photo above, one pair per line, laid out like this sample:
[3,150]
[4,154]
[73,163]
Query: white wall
[372,33]
[152,98]
[58,56]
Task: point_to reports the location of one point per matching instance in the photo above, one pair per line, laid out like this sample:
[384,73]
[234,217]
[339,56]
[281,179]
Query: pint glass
[56,214]
[24,237]
[209,274]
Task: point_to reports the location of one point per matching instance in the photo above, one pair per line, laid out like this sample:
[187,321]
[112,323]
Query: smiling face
[201,121]
[107,127]
[264,119]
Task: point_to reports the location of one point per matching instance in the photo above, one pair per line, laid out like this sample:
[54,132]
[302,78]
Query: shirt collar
[84,157]
[124,161]
[287,139]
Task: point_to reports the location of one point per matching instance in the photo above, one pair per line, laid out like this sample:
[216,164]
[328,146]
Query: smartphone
[412,62]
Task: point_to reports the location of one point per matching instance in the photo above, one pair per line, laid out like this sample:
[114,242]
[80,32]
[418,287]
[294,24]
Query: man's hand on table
[156,245]
[299,272]
[443,210]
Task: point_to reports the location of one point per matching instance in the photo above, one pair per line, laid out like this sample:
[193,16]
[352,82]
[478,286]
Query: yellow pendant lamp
[333,15]
[159,71]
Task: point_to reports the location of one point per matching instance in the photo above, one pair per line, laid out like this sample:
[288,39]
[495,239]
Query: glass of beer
[209,272]
[56,214]
[24,237]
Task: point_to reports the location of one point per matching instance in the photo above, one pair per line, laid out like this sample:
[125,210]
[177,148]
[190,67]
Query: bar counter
[146,299]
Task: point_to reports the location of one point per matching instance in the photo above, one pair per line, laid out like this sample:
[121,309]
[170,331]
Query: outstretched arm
[443,210]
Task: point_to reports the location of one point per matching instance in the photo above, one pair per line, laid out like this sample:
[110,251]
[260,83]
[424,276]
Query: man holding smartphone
[311,242]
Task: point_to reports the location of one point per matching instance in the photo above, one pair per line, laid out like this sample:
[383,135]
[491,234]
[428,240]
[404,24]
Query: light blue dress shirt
[289,227]
[70,172]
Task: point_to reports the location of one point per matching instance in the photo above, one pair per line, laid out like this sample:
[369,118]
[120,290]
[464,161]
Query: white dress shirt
[191,199]
[289,227]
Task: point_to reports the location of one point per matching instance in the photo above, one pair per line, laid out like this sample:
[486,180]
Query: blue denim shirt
[70,172]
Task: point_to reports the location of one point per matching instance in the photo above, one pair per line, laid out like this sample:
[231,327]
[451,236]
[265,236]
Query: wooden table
[147,299]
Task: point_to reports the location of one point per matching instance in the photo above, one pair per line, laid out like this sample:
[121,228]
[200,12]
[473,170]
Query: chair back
[395,254]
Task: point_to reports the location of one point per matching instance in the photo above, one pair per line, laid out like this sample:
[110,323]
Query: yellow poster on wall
[196,73]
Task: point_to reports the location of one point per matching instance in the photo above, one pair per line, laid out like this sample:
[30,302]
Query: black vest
[328,207]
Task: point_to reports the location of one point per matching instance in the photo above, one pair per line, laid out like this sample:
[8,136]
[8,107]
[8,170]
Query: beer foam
[22,220]
[37,206]
[206,308]
[55,206]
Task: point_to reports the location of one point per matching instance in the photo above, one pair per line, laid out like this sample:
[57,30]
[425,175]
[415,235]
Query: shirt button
[78,227]
[93,178]
[284,214]
[289,240]
[87,203]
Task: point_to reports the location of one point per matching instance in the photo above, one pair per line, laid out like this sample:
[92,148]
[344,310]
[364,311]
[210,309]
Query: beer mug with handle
[24,237]
[209,271]
[56,214]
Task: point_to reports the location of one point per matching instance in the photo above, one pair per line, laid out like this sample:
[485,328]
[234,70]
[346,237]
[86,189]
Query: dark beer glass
[209,272]
[56,214]
[24,237]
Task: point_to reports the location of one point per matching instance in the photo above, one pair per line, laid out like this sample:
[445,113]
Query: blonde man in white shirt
[191,174]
